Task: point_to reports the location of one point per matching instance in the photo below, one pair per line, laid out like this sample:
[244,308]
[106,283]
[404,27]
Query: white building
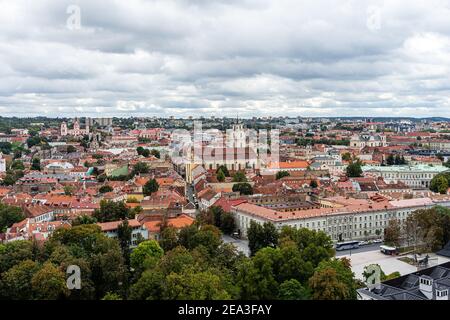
[2,163]
[368,140]
[416,176]
[76,131]
[342,219]
[111,230]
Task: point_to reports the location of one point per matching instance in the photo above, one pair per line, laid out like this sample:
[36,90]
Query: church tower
[238,136]
[87,127]
[63,130]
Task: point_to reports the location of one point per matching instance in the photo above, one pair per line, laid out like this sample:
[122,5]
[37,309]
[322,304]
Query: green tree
[227,223]
[243,188]
[261,236]
[150,187]
[282,174]
[147,250]
[105,261]
[220,176]
[313,184]
[71,149]
[194,236]
[33,141]
[49,283]
[112,296]
[224,169]
[393,232]
[15,283]
[5,147]
[325,285]
[105,189]
[149,286]
[112,211]
[346,156]
[17,165]
[239,177]
[293,290]
[168,239]
[141,167]
[69,190]
[194,285]
[390,160]
[314,246]
[9,215]
[333,280]
[14,253]
[257,277]
[36,164]
[12,176]
[354,170]
[155,153]
[124,233]
[447,163]
[439,184]
[292,264]
[83,219]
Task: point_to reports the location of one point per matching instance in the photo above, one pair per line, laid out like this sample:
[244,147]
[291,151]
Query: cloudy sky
[225,57]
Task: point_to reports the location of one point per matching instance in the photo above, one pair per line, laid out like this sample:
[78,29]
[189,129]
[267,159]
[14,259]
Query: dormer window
[442,293]
[425,281]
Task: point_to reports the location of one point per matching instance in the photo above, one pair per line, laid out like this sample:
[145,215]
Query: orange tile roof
[36,210]
[4,191]
[289,165]
[181,221]
[177,223]
[113,225]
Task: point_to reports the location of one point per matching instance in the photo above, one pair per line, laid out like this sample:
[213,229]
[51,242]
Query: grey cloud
[221,57]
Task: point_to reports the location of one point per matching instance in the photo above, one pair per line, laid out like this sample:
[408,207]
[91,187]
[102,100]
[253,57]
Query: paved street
[387,263]
[367,248]
[241,245]
[190,193]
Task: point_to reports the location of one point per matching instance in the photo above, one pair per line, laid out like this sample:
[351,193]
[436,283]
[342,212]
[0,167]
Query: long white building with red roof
[341,218]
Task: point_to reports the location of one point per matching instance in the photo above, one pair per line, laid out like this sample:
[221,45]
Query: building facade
[360,220]
[368,140]
[76,131]
[416,176]
[2,163]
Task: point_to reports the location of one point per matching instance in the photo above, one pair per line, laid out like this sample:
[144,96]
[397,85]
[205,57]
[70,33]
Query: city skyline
[254,58]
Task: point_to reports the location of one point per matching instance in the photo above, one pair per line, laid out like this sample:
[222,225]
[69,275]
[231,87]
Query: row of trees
[192,263]
[9,215]
[305,142]
[146,152]
[395,160]
[426,230]
[114,211]
[14,172]
[218,217]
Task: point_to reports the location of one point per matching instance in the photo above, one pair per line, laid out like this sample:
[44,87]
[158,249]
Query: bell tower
[63,130]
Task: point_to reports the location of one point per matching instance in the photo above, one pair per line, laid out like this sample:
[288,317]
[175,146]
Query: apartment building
[138,230]
[341,218]
[414,176]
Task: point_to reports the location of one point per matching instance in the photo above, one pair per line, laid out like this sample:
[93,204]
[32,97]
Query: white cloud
[250,57]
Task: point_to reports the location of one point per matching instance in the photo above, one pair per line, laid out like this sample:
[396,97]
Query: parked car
[377,241]
[363,243]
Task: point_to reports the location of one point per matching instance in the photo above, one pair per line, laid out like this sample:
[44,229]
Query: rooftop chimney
[426,286]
